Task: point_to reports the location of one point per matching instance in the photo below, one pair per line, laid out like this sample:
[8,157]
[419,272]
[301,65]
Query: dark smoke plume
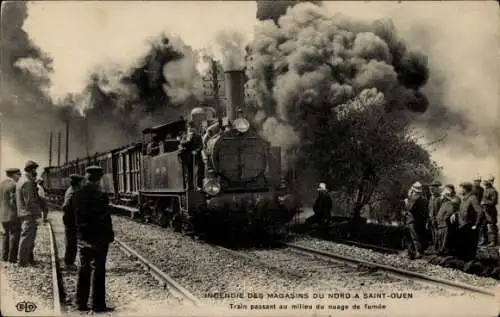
[310,64]
[273,10]
[28,113]
[119,103]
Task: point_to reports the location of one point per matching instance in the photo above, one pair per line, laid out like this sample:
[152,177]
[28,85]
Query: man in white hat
[323,204]
[416,213]
[489,202]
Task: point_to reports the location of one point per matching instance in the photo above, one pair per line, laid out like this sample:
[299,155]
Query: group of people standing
[87,221]
[22,204]
[452,224]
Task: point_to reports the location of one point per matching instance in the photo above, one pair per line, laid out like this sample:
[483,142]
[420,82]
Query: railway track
[392,271]
[166,281]
[57,286]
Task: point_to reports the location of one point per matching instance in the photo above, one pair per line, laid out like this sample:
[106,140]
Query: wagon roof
[171,126]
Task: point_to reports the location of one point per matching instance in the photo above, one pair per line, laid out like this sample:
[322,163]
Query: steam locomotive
[245,188]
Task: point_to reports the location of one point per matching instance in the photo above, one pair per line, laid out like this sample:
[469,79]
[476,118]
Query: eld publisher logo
[27,307]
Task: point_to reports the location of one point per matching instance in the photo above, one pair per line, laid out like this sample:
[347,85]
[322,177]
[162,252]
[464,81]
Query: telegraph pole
[50,148]
[1,115]
[67,141]
[59,149]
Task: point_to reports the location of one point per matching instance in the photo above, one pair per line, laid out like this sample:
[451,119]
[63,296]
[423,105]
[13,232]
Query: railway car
[244,184]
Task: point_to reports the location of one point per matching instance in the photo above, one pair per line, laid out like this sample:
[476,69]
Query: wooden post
[50,148]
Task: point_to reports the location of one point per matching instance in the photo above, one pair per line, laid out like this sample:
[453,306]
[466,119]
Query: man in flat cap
[29,210]
[190,155]
[69,221]
[8,215]
[95,233]
[469,217]
[434,205]
[489,203]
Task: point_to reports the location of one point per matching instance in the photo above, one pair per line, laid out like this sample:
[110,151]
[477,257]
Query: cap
[30,165]
[435,184]
[489,179]
[466,185]
[12,170]
[94,170]
[417,187]
[76,177]
[322,186]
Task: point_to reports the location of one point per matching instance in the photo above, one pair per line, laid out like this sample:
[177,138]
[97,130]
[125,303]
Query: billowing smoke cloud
[273,9]
[311,63]
[229,47]
[463,87]
[27,111]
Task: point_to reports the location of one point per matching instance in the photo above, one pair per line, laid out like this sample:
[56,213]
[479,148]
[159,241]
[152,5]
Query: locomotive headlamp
[212,187]
[241,124]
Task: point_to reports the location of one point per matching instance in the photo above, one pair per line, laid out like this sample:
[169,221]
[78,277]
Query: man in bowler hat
[28,210]
[8,215]
[95,233]
[69,221]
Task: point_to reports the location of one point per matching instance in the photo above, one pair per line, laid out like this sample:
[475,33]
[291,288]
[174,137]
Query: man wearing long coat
[8,215]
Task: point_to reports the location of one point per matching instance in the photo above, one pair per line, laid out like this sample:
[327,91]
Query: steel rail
[371,246]
[160,275]
[392,270]
[55,276]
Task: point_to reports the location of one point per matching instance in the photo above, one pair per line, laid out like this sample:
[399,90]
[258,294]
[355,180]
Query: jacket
[323,204]
[449,206]
[27,201]
[478,191]
[416,211]
[469,213]
[68,208]
[434,205]
[8,210]
[92,216]
[490,198]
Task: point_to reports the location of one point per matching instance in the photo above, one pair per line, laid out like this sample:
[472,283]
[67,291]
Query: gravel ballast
[129,288]
[206,270]
[32,283]
[398,261]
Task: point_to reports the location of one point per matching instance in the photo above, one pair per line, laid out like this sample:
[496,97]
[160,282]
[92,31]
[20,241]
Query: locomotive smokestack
[234,82]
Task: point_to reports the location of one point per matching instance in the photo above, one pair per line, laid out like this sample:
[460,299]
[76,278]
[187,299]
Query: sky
[461,40]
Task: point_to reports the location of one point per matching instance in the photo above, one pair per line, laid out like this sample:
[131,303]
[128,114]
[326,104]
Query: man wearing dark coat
[416,215]
[469,217]
[190,155]
[434,205]
[323,205]
[489,202]
[478,191]
[94,233]
[29,210]
[446,222]
[70,222]
[8,215]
